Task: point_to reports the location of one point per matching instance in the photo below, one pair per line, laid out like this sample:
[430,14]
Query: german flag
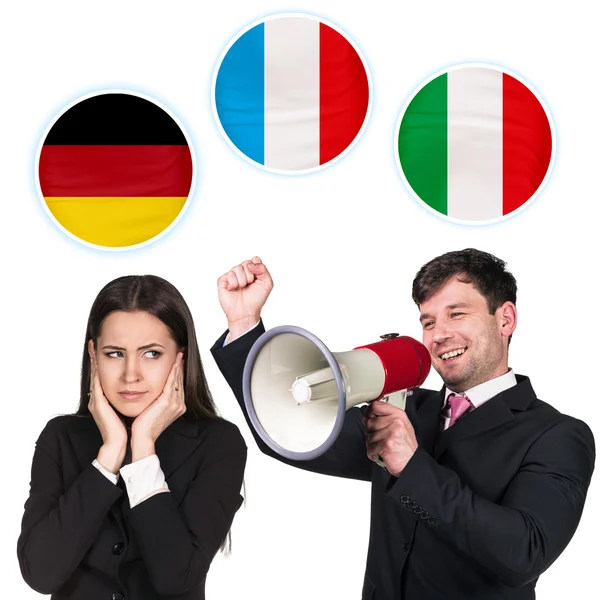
[115,170]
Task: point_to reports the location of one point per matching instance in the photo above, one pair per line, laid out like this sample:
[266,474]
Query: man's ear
[506,316]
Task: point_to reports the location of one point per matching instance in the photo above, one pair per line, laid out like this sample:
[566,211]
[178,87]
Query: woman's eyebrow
[146,347]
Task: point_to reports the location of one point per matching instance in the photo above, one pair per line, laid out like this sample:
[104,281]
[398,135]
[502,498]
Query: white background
[343,244]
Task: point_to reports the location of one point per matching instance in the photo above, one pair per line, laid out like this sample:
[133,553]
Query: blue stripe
[240,93]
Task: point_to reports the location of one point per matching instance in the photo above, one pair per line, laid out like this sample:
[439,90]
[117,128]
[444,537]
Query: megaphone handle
[396,399]
[400,401]
[380,462]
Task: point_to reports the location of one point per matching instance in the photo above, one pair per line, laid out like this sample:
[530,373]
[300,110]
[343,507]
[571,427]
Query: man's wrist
[241,326]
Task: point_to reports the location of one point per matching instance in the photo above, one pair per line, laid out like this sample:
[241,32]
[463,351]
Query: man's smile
[451,355]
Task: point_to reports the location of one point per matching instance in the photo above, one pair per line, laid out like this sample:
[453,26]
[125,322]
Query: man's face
[468,346]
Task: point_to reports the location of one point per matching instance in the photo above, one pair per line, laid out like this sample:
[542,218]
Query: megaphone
[297,391]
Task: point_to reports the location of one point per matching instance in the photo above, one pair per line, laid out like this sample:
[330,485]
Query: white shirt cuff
[143,479]
[228,338]
[110,476]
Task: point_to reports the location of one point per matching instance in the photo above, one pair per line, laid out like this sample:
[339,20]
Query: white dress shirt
[480,394]
[228,338]
[143,478]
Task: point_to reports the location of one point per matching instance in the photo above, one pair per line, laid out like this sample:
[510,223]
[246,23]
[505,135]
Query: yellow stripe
[115,221]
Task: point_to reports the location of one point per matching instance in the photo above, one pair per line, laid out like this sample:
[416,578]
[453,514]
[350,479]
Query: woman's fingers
[92,385]
[171,383]
[181,393]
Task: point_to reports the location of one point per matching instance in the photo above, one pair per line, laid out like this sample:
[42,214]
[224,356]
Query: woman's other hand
[168,407]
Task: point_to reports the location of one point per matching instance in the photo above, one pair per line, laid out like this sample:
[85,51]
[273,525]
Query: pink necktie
[459,406]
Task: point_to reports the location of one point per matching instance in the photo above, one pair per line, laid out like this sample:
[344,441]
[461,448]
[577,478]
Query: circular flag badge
[474,144]
[115,170]
[291,93]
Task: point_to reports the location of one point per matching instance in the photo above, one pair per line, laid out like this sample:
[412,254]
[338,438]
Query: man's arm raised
[243,291]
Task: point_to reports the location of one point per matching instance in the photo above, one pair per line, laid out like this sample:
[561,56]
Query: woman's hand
[114,434]
[170,405]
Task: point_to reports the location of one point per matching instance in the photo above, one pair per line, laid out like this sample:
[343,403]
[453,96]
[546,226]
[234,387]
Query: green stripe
[423,144]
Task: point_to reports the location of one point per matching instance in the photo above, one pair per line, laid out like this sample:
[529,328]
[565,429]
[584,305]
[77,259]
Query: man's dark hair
[486,272]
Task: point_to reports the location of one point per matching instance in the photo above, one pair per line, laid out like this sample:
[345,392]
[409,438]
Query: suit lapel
[176,444]
[425,417]
[493,413]
[86,440]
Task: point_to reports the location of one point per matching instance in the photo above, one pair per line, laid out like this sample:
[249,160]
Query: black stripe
[118,119]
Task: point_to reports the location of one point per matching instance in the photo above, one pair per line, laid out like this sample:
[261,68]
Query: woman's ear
[91,350]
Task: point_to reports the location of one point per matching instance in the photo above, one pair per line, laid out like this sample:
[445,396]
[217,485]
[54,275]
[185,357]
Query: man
[485,483]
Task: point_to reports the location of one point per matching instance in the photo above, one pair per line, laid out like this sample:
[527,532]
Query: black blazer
[481,509]
[79,539]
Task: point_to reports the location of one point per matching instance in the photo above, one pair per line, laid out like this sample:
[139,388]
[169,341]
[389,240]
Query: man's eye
[457,314]
[427,324]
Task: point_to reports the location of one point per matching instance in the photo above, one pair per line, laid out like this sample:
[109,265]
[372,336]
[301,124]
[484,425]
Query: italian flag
[475,144]
[291,93]
[115,170]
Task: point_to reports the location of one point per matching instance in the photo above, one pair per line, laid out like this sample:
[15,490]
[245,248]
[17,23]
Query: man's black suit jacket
[79,539]
[481,509]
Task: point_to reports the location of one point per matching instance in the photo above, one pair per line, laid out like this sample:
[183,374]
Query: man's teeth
[452,354]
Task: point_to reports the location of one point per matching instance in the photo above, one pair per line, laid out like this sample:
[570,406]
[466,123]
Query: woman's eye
[115,354]
[152,354]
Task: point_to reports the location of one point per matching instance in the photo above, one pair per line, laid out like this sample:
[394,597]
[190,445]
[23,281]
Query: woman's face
[135,353]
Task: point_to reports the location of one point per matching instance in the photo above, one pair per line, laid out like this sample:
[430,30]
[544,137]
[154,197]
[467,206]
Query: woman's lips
[129,395]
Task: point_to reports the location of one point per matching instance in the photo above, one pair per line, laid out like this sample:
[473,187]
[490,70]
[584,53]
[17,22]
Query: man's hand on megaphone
[390,435]
[243,292]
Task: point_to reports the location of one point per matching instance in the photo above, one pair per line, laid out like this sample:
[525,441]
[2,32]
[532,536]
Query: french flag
[291,93]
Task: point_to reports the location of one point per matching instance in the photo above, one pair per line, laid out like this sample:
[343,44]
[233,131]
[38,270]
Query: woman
[133,495]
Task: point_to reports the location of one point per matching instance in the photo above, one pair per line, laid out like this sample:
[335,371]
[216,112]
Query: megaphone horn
[297,391]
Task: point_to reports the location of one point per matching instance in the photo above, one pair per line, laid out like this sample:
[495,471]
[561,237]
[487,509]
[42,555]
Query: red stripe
[344,93]
[526,144]
[158,171]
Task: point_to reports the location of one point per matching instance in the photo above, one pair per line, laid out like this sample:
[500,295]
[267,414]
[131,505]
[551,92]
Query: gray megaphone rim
[339,380]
